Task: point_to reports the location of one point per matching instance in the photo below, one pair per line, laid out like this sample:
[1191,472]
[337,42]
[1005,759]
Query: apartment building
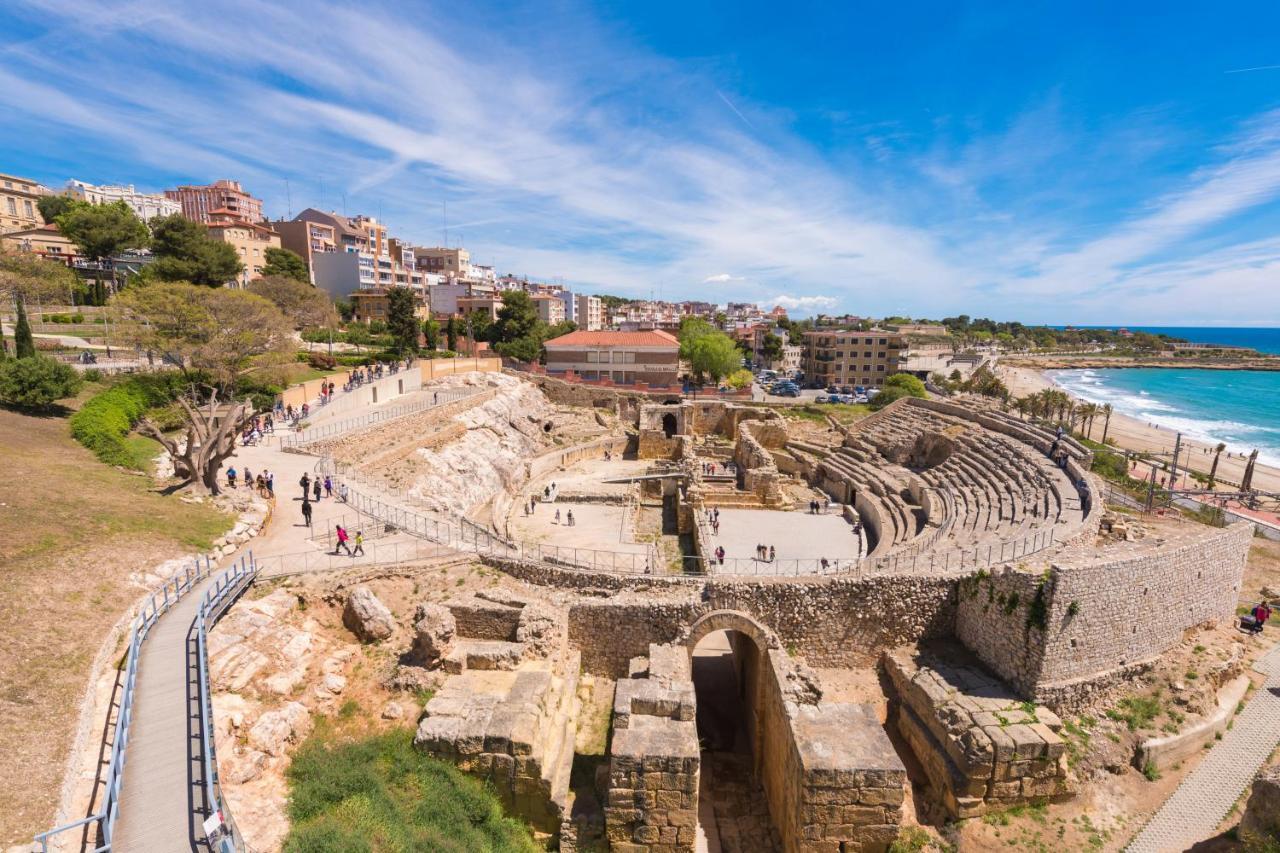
[43,240]
[623,357]
[449,298]
[306,239]
[845,357]
[550,308]
[448,262]
[18,210]
[146,206]
[373,304]
[589,312]
[249,239]
[199,202]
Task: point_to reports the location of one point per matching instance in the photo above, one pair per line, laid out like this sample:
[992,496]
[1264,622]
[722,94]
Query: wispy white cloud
[625,175]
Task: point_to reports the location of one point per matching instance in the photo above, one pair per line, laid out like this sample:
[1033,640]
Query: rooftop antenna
[344,202]
[288,194]
[445,204]
[322,192]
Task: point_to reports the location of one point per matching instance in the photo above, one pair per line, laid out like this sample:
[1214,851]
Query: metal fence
[304,437]
[152,609]
[226,589]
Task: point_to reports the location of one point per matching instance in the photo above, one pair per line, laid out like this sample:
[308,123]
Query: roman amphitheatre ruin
[660,625]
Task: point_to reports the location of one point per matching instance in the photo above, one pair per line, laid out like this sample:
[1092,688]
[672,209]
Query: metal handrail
[316,433]
[226,588]
[152,609]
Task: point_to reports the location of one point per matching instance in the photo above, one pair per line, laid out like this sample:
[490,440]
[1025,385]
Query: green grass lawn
[845,413]
[379,794]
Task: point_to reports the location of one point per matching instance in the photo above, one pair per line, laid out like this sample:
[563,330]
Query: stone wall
[1063,636]
[759,475]
[980,746]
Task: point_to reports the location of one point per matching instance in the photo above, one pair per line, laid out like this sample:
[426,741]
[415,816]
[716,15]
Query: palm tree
[1106,423]
[1213,470]
[1088,411]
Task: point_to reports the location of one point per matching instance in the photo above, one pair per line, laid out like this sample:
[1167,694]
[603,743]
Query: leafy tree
[692,329]
[527,349]
[714,355]
[223,340]
[740,379]
[306,306]
[28,276]
[37,382]
[897,386]
[284,262]
[517,318]
[346,310]
[401,322]
[185,252]
[771,347]
[481,325]
[24,345]
[431,333]
[451,334]
[358,335]
[53,206]
[102,231]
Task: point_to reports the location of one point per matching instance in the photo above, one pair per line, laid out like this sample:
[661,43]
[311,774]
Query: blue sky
[1034,161]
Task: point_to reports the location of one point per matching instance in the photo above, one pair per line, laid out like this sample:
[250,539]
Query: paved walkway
[162,782]
[1205,796]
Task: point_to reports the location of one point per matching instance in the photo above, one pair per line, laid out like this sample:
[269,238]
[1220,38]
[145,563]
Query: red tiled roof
[584,338]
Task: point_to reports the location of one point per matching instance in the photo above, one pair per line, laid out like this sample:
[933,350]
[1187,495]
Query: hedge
[104,422]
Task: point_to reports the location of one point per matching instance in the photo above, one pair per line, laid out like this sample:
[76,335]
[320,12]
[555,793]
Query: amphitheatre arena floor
[596,526]
[796,536]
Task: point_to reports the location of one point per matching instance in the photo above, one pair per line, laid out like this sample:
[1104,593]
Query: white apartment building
[589,312]
[147,206]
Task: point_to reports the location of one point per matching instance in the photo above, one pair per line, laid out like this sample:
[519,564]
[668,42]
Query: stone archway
[730,666]
[669,426]
[729,620]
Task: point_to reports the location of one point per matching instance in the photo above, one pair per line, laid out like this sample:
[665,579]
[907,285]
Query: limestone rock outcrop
[434,629]
[275,730]
[367,617]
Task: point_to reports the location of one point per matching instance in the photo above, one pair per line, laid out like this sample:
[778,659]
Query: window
[867,354]
[879,368]
[26,206]
[13,207]
[592,356]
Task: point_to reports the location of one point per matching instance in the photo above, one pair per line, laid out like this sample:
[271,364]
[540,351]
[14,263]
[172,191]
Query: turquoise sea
[1254,337]
[1240,408]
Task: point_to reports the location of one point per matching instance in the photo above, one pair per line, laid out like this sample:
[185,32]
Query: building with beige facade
[623,357]
[18,197]
[446,262]
[43,240]
[306,239]
[250,241]
[590,312]
[550,308]
[844,357]
[199,203]
[146,206]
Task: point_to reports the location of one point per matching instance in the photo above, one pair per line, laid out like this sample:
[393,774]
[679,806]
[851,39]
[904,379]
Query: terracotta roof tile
[655,338]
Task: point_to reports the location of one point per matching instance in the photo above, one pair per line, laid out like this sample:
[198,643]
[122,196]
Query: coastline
[1131,433]
[1076,362]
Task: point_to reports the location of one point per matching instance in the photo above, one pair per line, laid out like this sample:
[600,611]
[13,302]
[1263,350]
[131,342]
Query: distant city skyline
[1054,165]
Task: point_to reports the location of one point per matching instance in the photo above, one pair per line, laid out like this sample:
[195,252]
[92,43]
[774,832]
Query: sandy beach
[1133,434]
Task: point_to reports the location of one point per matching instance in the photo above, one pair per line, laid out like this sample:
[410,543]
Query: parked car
[831,389]
[789,392]
[846,389]
[861,398]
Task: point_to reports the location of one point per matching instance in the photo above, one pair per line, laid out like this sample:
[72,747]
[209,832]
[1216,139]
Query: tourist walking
[305,482]
[569,518]
[342,545]
[342,492]
[306,512]
[359,549]
[315,488]
[231,477]
[328,486]
[720,555]
[1260,614]
[271,484]
[772,554]
[557,515]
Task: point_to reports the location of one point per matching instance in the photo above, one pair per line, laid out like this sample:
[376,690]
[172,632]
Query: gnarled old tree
[217,338]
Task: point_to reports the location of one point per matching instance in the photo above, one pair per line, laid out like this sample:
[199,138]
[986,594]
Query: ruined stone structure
[981,542]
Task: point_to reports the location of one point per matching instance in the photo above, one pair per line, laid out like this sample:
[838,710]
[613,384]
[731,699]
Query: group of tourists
[254,430]
[1259,616]
[713,519]
[766,553]
[326,393]
[290,415]
[344,538]
[819,507]
[264,482]
[709,468]
[569,522]
[313,489]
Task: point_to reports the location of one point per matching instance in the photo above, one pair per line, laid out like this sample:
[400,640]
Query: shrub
[93,374]
[102,423]
[321,361]
[36,383]
[380,793]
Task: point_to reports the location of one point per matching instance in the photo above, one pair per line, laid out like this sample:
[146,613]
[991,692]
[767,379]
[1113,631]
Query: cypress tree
[24,344]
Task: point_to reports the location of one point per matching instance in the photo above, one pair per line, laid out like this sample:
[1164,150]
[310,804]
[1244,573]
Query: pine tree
[24,344]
